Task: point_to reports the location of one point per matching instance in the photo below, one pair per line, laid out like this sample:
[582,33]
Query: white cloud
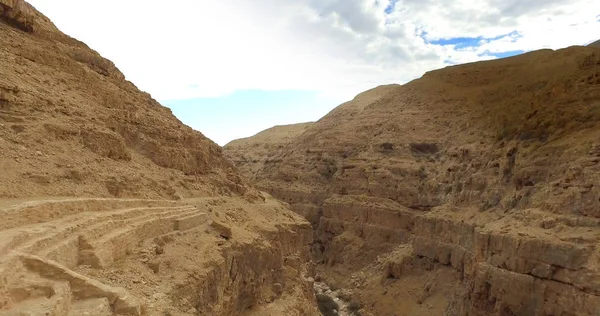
[185,48]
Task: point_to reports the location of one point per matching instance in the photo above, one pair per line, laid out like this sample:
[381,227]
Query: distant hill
[250,154]
[595,44]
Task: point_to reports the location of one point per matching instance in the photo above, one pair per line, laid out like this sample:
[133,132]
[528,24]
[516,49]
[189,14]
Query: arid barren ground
[111,206]
[474,190]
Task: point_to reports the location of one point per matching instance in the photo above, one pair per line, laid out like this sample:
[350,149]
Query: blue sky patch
[390,8]
[449,62]
[459,42]
[247,112]
[504,54]
[465,42]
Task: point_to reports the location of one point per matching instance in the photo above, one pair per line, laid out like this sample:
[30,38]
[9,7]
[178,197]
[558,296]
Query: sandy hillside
[111,206]
[474,190]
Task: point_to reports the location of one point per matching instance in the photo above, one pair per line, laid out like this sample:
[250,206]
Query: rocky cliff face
[473,190]
[71,124]
[111,206]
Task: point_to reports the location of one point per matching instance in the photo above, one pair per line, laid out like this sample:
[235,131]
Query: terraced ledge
[42,241]
[116,244]
[83,287]
[40,211]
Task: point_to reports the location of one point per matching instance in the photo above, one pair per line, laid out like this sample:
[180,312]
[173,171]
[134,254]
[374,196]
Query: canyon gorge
[473,190]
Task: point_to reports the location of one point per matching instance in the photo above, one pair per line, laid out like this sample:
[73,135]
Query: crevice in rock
[14,18]
[334,302]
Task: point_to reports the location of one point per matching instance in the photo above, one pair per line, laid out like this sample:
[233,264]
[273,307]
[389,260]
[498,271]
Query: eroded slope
[252,153]
[72,125]
[487,172]
[111,206]
[202,256]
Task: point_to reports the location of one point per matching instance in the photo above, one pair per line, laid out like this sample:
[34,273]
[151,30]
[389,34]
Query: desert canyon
[111,206]
[473,190]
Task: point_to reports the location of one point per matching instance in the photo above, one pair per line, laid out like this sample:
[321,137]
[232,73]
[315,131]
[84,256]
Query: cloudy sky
[233,68]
